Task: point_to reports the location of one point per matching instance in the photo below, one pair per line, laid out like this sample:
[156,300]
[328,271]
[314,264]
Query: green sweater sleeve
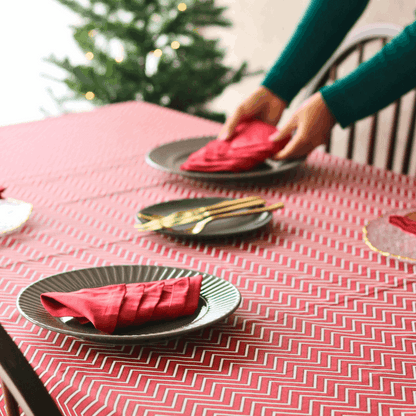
[377,82]
[320,31]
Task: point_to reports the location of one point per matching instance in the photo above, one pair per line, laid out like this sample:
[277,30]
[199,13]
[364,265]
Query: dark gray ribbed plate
[218,299]
[170,156]
[225,227]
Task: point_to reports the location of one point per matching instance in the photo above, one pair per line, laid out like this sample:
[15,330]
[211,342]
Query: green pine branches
[150,50]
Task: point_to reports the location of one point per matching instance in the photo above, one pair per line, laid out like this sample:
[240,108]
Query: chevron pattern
[326,327]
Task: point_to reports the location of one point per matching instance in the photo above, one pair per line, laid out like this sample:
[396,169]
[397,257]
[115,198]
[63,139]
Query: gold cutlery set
[204,215]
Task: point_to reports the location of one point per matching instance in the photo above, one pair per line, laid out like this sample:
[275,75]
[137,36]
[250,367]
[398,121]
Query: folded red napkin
[406,223]
[247,148]
[122,305]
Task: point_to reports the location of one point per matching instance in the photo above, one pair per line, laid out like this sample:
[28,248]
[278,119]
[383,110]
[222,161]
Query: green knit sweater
[372,86]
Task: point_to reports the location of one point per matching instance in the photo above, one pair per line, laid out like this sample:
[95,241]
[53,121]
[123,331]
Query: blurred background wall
[29,32]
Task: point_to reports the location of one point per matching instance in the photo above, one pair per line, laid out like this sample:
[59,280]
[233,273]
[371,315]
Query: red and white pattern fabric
[326,326]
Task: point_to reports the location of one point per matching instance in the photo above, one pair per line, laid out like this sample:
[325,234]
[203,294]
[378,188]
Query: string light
[175,44]
[157,53]
[89,95]
[89,56]
[120,56]
[165,100]
[181,7]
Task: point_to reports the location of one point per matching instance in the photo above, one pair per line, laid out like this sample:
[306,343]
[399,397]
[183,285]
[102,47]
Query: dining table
[326,324]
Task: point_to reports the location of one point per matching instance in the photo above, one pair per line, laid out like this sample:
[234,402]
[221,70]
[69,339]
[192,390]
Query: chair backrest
[402,114]
[20,384]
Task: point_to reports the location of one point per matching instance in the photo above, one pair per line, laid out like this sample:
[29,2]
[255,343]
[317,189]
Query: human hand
[262,105]
[313,123]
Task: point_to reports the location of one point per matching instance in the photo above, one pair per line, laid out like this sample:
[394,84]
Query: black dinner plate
[170,156]
[219,228]
[218,299]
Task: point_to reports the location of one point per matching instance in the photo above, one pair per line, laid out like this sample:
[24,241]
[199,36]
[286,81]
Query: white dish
[13,215]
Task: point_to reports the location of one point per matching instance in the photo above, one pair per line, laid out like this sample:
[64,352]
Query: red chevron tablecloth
[326,326]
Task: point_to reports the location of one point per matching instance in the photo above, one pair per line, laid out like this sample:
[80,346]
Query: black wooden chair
[20,384]
[376,140]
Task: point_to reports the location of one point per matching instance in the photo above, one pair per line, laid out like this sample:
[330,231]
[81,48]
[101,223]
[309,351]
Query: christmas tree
[151,50]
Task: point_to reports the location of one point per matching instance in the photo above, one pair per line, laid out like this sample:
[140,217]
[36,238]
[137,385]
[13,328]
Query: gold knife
[193,215]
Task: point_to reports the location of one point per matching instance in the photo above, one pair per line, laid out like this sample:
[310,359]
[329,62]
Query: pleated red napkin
[247,148]
[406,223]
[122,305]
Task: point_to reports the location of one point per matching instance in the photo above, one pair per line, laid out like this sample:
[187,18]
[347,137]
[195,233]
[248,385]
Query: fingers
[313,122]
[262,104]
[231,124]
[246,110]
[286,130]
[299,145]
[295,148]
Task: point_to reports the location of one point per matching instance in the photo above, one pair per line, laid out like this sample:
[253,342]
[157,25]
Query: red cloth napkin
[405,223]
[121,305]
[249,147]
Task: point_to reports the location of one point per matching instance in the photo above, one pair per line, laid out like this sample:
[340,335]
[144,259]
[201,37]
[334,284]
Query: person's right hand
[261,105]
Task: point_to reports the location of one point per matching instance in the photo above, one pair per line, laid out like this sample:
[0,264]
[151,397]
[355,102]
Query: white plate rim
[15,227]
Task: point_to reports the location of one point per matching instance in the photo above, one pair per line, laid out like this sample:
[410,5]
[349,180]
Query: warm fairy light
[157,53]
[120,56]
[181,7]
[175,44]
[92,33]
[89,95]
[89,55]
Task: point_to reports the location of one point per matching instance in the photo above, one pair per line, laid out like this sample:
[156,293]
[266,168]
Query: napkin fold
[2,189]
[247,148]
[406,223]
[123,305]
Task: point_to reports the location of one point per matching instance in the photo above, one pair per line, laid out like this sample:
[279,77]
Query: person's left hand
[313,123]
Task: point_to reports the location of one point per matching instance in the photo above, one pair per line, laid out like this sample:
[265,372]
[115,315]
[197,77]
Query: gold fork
[196,214]
[149,217]
[200,225]
[154,217]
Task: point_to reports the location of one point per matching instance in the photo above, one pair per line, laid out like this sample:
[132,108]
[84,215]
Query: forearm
[318,34]
[377,82]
